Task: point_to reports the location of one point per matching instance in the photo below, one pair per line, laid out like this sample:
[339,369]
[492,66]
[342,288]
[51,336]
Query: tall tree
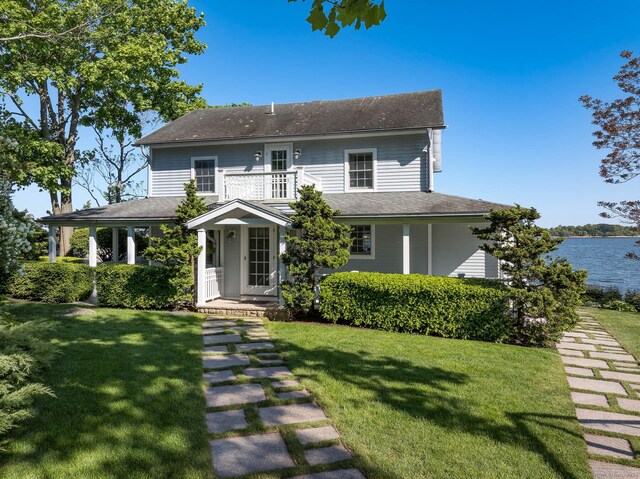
[618,123]
[329,16]
[107,52]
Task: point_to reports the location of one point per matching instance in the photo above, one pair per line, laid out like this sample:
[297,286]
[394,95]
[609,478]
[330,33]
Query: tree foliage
[618,132]
[600,229]
[329,16]
[544,291]
[14,232]
[178,248]
[316,241]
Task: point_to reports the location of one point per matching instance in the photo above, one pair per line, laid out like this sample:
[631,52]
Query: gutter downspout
[430,160]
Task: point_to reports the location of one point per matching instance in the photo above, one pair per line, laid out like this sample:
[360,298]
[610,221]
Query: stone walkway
[605,387]
[259,417]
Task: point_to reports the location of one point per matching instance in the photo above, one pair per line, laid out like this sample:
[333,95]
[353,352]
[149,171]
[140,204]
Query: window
[360,166]
[203,170]
[362,241]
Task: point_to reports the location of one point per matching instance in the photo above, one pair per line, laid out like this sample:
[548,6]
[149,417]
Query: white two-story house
[375,159]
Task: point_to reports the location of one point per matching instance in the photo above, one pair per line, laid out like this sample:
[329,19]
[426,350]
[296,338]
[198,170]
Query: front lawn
[625,327]
[129,399]
[424,407]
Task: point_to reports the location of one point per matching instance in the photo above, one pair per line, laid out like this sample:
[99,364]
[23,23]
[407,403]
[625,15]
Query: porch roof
[399,204]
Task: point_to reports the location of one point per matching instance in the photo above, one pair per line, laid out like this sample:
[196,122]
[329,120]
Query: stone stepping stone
[613,349]
[596,385]
[222,338]
[578,371]
[225,361]
[252,321]
[589,399]
[212,330]
[268,355]
[270,372]
[593,331]
[294,394]
[336,474]
[576,346]
[636,387]
[248,328]
[253,346]
[285,384]
[632,378]
[572,334]
[571,352]
[617,357]
[238,456]
[629,404]
[271,361]
[609,421]
[216,349]
[608,446]
[628,370]
[291,414]
[606,470]
[219,324]
[568,340]
[224,421]
[326,455]
[586,363]
[218,376]
[218,396]
[313,435]
[602,342]
[619,364]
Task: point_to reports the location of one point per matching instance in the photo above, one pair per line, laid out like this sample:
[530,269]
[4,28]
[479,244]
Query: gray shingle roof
[379,204]
[374,113]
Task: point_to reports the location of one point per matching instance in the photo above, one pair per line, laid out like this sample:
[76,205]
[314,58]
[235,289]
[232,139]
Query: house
[375,159]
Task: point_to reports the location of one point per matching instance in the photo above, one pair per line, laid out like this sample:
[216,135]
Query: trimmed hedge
[447,307]
[134,286]
[52,282]
[62,259]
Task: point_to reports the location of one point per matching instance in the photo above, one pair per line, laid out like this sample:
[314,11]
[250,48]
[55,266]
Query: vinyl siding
[401,163]
[456,252]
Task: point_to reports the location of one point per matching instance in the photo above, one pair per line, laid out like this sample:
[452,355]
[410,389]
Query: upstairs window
[203,170]
[362,240]
[360,168]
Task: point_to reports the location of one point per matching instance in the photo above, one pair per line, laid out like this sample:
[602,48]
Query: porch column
[406,246]
[131,245]
[93,247]
[201,285]
[282,247]
[429,249]
[115,244]
[53,231]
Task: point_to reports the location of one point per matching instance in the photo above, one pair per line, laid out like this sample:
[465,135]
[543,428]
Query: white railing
[213,279]
[281,185]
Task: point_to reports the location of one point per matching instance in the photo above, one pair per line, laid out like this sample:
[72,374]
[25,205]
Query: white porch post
[282,247]
[93,247]
[131,245]
[201,286]
[115,244]
[406,246]
[429,249]
[53,231]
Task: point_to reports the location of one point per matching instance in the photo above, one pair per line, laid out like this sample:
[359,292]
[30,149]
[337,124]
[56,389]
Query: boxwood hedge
[447,307]
[52,282]
[134,286]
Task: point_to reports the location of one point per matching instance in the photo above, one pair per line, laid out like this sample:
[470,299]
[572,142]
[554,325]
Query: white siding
[456,251]
[401,162]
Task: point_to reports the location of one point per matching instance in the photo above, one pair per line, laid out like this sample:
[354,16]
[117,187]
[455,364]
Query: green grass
[129,400]
[423,407]
[625,327]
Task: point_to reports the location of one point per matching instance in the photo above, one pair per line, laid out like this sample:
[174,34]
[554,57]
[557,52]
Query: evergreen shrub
[52,282]
[135,286]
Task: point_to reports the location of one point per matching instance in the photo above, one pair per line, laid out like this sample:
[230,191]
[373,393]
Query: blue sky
[511,74]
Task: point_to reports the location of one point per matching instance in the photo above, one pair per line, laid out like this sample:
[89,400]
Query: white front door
[260,264]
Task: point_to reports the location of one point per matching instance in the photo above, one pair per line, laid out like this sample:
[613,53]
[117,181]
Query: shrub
[62,259]
[617,305]
[601,295]
[447,307]
[52,282]
[632,297]
[134,286]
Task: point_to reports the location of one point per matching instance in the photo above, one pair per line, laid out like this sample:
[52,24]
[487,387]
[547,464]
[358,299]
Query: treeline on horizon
[600,229]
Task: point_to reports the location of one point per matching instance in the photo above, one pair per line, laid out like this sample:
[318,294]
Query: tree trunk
[66,206]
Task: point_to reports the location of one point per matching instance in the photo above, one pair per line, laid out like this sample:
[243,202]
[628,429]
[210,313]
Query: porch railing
[213,278]
[282,185]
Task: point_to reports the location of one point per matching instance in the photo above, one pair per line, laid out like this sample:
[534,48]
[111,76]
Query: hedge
[447,307]
[62,259]
[52,282]
[134,286]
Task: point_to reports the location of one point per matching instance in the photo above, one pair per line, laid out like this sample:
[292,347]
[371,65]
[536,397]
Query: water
[604,259]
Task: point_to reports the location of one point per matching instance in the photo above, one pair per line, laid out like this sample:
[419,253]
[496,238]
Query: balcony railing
[280,185]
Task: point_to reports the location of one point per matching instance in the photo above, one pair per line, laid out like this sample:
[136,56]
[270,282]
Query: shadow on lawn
[129,401]
[401,385]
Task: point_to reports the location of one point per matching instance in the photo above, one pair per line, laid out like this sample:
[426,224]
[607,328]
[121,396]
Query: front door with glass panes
[259,260]
[279,159]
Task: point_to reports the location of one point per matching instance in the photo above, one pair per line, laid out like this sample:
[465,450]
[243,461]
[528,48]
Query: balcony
[281,185]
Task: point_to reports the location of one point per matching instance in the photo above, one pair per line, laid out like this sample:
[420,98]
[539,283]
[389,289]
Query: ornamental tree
[14,231]
[316,241]
[178,248]
[544,291]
